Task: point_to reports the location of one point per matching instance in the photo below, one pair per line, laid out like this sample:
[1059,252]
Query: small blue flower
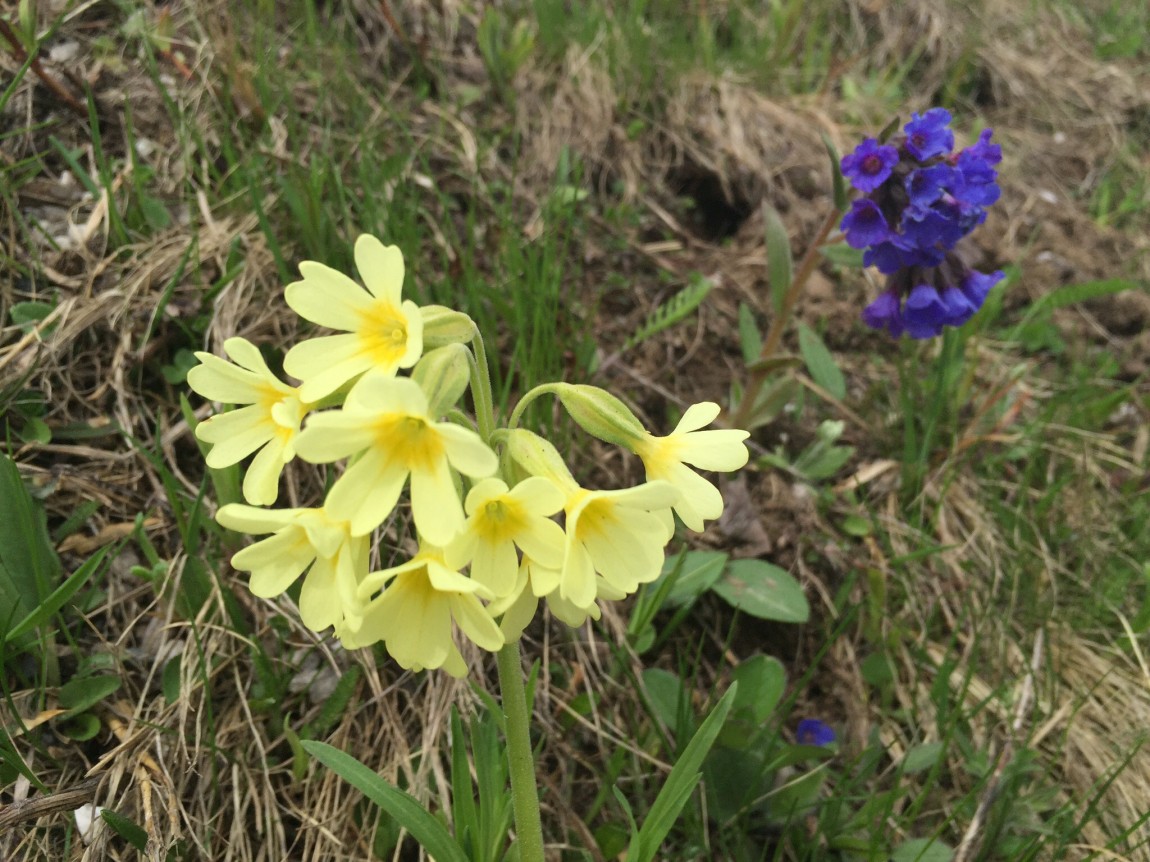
[929,135]
[925,313]
[869,165]
[811,731]
[885,313]
[865,224]
[926,185]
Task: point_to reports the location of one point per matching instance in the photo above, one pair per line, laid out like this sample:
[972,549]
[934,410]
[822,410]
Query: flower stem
[521,760]
[779,322]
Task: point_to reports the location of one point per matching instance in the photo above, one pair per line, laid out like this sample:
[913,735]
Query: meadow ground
[968,524]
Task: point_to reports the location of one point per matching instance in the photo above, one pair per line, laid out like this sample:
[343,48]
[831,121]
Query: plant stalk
[779,322]
[520,758]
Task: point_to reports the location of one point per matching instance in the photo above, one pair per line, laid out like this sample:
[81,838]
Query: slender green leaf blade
[750,340]
[838,184]
[820,363]
[681,782]
[405,808]
[61,594]
[780,268]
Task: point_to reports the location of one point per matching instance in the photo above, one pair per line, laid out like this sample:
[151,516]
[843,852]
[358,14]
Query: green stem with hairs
[520,758]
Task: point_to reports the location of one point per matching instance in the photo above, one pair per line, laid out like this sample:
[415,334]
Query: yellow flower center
[501,520]
[412,440]
[597,518]
[383,332]
[659,454]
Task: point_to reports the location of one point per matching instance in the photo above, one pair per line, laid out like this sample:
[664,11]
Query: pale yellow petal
[454,665]
[233,439]
[466,451]
[419,631]
[262,480]
[219,380]
[460,550]
[721,450]
[543,541]
[332,435]
[325,364]
[247,355]
[381,268]
[518,615]
[249,519]
[577,580]
[327,297]
[320,604]
[475,622]
[699,498]
[632,553]
[446,580]
[496,566]
[698,416]
[367,492]
[435,504]
[539,495]
[275,562]
[544,580]
[381,393]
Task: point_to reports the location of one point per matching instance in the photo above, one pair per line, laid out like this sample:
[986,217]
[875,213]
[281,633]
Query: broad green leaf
[431,834]
[82,694]
[822,366]
[779,264]
[763,590]
[921,757]
[697,574]
[762,680]
[665,691]
[680,783]
[922,850]
[126,829]
[771,400]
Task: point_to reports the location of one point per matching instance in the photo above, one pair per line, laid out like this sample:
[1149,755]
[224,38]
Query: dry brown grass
[210,772]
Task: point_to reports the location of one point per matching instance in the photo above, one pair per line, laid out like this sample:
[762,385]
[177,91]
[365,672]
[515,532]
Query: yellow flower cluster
[501,523]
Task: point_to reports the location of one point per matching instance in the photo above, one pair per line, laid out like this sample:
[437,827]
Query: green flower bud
[443,325]
[539,458]
[443,375]
[601,414]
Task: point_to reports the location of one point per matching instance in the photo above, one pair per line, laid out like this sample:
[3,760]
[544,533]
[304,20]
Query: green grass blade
[405,808]
[60,596]
[681,782]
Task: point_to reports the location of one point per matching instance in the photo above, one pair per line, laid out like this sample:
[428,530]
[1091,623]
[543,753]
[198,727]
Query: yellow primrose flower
[413,615]
[302,538]
[666,458]
[501,519]
[382,331]
[270,423]
[386,419]
[619,534]
[575,616]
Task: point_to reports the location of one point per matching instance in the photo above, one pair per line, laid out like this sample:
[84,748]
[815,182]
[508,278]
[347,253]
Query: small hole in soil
[712,216]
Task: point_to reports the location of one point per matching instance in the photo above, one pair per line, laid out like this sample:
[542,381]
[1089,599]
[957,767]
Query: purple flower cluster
[920,198]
